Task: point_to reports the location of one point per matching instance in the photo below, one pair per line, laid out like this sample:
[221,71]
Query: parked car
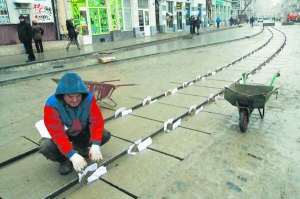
[260,20]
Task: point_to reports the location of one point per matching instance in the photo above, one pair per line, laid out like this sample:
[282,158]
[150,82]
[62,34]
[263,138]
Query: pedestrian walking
[72,33]
[235,21]
[25,37]
[37,32]
[231,20]
[251,21]
[195,24]
[198,22]
[75,124]
[192,25]
[218,20]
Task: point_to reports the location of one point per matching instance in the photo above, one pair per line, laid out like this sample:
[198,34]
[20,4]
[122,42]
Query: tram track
[185,114]
[15,73]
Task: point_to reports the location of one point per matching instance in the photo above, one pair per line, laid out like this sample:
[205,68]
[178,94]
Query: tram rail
[183,115]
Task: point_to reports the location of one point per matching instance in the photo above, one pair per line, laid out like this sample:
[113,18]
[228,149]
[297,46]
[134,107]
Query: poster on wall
[103,20]
[98,16]
[42,11]
[120,7]
[94,20]
[235,5]
[4,17]
[114,15]
[97,3]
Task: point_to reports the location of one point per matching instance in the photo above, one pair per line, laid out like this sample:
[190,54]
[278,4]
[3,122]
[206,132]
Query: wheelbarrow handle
[114,80]
[127,85]
[274,77]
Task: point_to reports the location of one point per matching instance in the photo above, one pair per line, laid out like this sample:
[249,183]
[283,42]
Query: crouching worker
[75,124]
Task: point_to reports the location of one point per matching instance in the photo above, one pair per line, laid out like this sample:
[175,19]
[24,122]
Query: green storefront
[96,17]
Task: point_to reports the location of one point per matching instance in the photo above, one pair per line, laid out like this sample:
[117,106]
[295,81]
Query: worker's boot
[65,167]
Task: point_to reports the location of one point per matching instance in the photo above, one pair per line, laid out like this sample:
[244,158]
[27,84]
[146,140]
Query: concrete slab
[106,113]
[96,190]
[183,100]
[207,123]
[159,112]
[50,179]
[132,128]
[221,106]
[45,173]
[203,92]
[181,142]
[136,177]
[8,151]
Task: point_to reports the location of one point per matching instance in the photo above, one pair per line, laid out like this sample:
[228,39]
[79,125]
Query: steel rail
[58,192]
[75,181]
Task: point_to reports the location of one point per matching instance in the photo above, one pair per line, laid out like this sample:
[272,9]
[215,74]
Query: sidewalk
[56,54]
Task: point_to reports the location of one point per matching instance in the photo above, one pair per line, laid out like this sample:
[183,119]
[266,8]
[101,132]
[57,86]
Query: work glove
[95,153]
[79,163]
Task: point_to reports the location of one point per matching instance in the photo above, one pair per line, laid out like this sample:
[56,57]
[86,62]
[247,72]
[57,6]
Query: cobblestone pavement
[206,157]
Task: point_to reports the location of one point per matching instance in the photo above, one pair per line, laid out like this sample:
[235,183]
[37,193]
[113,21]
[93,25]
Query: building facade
[112,20]
[40,10]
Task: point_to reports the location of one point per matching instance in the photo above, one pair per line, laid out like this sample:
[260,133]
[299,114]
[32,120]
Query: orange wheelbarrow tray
[102,90]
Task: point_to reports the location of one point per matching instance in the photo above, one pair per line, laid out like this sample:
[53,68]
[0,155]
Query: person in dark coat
[231,20]
[72,33]
[25,37]
[198,22]
[251,21]
[192,25]
[37,32]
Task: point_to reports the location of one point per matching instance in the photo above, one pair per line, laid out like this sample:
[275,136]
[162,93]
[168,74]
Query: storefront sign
[24,11]
[42,11]
[235,5]
[218,2]
[78,1]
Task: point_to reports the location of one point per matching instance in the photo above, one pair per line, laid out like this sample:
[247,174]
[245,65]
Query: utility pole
[56,19]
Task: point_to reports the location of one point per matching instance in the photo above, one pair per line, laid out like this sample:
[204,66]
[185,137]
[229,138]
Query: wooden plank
[106,59]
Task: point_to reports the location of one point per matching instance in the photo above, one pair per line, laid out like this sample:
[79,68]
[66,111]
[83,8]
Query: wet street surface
[207,156]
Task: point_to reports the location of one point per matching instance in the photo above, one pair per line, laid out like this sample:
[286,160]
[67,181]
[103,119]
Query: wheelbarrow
[102,90]
[249,97]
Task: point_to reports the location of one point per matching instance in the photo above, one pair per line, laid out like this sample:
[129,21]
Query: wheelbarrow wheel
[244,120]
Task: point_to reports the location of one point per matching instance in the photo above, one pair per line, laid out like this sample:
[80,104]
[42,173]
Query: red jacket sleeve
[56,129]
[96,123]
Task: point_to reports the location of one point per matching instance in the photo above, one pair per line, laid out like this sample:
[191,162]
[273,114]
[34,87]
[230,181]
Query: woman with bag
[72,33]
[37,32]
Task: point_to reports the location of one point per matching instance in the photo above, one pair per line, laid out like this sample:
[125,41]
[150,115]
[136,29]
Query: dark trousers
[73,39]
[191,29]
[39,45]
[51,151]
[218,24]
[28,47]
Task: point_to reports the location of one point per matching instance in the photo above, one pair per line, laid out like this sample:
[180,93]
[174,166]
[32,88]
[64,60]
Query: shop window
[169,14]
[127,19]
[187,13]
[200,10]
[127,15]
[143,4]
[141,20]
[4,17]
